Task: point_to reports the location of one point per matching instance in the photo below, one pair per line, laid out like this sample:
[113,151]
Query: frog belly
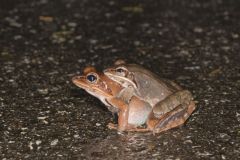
[138,114]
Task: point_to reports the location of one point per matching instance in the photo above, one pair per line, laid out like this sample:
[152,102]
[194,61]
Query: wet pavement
[44,43]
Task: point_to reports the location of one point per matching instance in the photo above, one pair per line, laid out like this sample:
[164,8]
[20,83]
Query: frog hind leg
[174,118]
[173,111]
[183,97]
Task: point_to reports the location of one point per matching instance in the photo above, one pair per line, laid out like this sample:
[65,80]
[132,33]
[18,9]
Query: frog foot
[174,118]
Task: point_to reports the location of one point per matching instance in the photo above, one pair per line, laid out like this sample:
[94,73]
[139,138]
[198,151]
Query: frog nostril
[75,78]
[107,70]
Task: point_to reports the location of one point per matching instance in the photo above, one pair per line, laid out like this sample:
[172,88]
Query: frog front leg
[132,115]
[122,114]
[173,111]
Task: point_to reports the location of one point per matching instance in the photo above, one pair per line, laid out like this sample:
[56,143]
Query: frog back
[151,87]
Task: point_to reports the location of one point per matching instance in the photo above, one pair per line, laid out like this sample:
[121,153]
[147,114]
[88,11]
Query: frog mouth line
[120,79]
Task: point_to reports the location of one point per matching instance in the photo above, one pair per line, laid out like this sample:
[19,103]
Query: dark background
[44,43]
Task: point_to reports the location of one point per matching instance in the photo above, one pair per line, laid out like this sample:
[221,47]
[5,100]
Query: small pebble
[98,124]
[54,142]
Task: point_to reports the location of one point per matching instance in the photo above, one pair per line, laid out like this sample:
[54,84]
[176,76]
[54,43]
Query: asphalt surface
[44,43]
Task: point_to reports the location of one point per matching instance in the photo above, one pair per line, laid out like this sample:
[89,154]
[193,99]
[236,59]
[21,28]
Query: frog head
[121,73]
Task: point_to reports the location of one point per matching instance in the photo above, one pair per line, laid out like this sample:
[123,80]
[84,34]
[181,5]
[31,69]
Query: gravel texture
[44,43]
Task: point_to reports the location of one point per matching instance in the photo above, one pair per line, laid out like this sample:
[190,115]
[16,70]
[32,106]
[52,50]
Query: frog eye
[92,78]
[121,71]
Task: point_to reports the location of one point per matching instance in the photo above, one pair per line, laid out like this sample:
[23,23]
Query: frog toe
[112,126]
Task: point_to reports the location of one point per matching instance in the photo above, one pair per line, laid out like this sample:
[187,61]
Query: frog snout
[105,71]
[76,78]
[108,71]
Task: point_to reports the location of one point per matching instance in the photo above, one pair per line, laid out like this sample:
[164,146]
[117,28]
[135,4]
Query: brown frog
[171,105]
